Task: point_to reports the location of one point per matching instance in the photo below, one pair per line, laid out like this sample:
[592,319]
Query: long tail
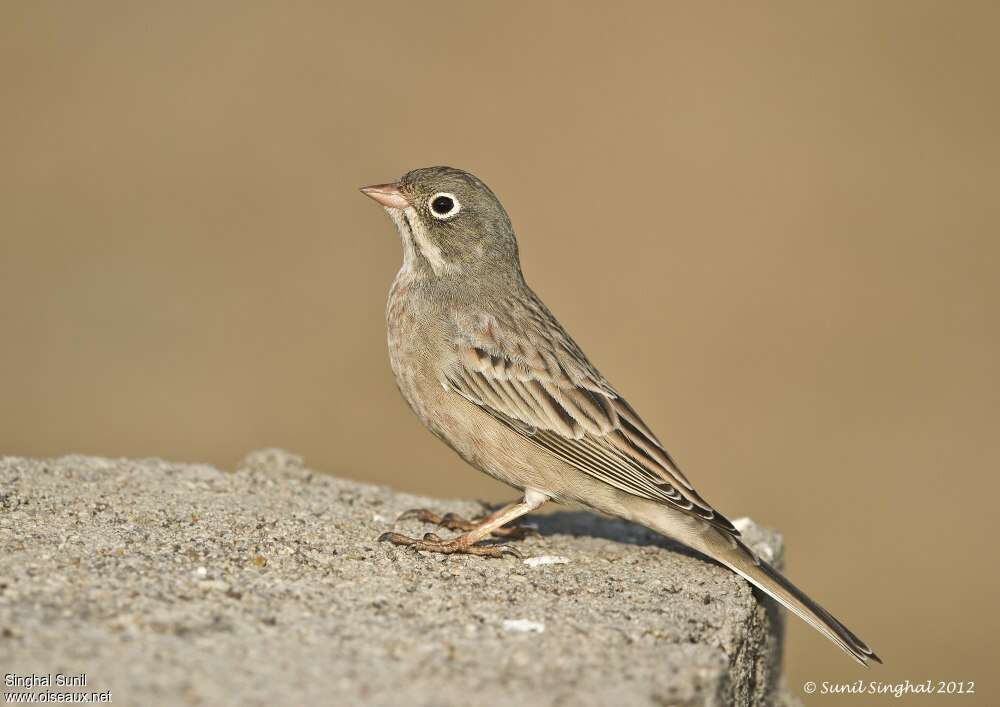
[731,552]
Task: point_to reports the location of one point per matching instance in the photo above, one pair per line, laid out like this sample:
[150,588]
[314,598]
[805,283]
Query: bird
[488,369]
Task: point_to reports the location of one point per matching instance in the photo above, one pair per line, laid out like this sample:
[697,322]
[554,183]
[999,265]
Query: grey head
[451,224]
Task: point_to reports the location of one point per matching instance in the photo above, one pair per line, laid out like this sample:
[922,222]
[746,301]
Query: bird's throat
[417,244]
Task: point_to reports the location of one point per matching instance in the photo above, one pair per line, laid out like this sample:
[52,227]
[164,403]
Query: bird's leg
[466,543]
[453,521]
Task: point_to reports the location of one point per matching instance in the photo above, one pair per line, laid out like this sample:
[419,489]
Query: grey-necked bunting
[490,370]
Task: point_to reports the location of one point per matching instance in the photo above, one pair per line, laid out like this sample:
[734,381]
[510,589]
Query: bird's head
[451,224]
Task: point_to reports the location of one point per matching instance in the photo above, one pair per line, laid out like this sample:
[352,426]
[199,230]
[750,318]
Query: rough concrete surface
[179,584]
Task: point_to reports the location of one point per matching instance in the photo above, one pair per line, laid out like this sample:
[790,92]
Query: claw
[518,532]
[510,550]
[432,543]
[421,514]
[498,551]
[453,521]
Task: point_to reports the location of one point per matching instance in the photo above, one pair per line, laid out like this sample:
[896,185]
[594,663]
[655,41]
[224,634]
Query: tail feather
[731,552]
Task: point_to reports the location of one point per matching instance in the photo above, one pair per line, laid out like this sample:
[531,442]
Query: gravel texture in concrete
[179,584]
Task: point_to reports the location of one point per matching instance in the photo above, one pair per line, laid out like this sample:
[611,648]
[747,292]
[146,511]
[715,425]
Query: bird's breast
[416,337]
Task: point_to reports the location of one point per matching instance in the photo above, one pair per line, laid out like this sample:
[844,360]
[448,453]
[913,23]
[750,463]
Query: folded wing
[534,379]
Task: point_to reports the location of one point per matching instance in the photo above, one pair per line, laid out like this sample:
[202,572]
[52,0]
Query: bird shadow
[587,524]
[593,525]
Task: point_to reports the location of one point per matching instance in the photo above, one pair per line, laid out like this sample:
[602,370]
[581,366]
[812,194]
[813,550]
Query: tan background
[774,228]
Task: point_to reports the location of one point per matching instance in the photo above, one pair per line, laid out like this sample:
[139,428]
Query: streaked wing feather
[539,383]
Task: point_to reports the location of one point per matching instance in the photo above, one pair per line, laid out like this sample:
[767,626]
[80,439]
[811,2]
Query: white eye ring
[433,204]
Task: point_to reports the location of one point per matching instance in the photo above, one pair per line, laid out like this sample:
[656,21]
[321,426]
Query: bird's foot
[453,521]
[456,546]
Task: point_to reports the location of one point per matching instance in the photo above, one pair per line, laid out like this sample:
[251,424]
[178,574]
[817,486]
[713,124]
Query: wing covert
[538,382]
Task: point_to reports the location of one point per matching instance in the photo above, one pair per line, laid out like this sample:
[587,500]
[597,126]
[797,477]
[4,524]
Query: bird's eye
[444,206]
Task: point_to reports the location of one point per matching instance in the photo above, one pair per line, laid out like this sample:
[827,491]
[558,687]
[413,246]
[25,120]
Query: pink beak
[388,195]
